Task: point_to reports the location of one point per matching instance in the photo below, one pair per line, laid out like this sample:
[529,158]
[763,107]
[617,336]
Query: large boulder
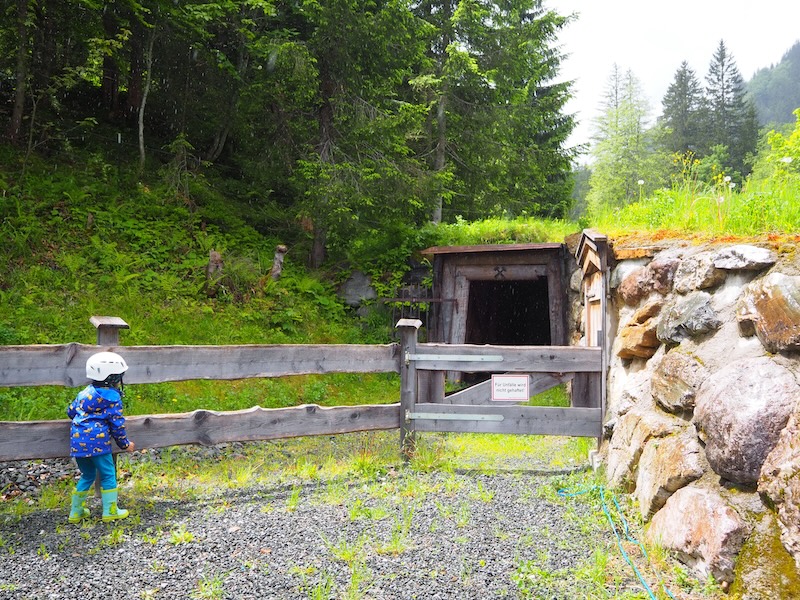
[657,276]
[676,379]
[780,482]
[740,412]
[744,258]
[666,465]
[357,289]
[633,430]
[638,338]
[702,529]
[770,309]
[626,389]
[698,273]
[687,317]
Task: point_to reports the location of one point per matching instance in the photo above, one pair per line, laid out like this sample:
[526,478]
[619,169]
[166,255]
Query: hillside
[776,89]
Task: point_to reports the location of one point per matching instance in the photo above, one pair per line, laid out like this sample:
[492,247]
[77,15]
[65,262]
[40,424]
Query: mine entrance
[509,313]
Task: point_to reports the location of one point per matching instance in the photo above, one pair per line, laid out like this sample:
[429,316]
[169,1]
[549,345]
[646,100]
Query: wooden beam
[30,440]
[65,364]
[503,273]
[501,418]
[515,359]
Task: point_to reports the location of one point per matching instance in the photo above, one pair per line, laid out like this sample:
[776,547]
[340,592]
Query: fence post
[408,383]
[107,335]
[108,329]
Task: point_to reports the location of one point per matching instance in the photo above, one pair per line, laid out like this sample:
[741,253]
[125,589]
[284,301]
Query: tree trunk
[439,160]
[136,76]
[325,149]
[21,71]
[109,86]
[145,92]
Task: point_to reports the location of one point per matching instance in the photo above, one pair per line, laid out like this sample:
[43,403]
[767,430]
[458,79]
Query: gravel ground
[404,535]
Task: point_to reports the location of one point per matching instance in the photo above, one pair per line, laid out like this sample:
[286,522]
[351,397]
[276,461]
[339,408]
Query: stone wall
[703,406]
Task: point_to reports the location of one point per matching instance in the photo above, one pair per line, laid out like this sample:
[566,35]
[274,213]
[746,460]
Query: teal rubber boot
[111,512]
[78,511]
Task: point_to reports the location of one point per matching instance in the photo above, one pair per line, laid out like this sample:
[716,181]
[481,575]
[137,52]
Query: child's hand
[131,447]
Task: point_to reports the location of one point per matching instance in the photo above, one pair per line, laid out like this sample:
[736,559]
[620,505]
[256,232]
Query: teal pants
[91,466]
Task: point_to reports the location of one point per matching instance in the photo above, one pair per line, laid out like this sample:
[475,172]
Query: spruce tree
[730,119]
[683,104]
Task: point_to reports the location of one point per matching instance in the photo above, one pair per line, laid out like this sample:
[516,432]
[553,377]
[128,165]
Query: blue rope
[626,531]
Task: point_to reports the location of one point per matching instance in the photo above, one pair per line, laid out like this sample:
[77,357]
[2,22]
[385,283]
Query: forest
[336,118]
[340,118]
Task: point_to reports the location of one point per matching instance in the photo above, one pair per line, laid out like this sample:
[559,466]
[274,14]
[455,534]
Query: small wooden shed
[510,294]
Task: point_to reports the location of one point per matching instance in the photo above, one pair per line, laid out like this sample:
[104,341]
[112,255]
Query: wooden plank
[65,364]
[50,439]
[506,273]
[481,393]
[556,293]
[516,359]
[523,420]
[586,390]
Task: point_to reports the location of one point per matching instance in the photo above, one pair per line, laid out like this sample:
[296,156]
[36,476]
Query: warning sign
[510,388]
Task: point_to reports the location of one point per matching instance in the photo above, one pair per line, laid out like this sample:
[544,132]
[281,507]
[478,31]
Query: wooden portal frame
[455,267]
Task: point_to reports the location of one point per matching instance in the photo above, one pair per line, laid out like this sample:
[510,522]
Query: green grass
[761,207]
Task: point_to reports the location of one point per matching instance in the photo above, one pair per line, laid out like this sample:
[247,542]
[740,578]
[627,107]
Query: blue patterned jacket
[96,415]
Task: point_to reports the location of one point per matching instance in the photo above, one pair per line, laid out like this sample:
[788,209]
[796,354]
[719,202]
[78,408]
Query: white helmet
[101,365]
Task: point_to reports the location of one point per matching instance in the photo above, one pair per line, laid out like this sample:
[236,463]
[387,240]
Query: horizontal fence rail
[520,359]
[50,439]
[66,364]
[584,422]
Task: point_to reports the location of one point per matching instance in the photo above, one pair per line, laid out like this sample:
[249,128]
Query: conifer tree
[730,115]
[683,109]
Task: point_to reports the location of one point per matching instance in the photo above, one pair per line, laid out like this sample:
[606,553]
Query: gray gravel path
[403,536]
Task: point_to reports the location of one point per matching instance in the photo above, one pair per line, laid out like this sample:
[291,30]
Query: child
[96,415]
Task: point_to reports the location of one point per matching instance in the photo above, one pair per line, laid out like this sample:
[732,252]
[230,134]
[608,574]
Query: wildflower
[721,199]
[727,178]
[640,182]
[732,184]
[786,159]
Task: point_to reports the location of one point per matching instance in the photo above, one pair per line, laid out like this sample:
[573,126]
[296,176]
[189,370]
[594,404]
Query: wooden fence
[65,365]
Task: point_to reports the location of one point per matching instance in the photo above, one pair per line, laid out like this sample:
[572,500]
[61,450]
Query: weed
[335,494]
[150,536]
[293,501]
[463,515]
[429,457]
[360,581]
[209,588]
[482,494]
[43,551]
[158,567]
[180,536]
[359,510]
[115,537]
[346,551]
[398,540]
[322,590]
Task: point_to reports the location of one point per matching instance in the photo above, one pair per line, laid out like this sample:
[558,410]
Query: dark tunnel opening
[507,313]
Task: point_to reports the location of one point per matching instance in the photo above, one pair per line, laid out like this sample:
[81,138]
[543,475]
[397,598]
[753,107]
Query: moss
[764,566]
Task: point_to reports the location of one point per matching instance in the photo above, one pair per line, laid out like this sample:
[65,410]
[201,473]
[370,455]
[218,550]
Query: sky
[652,39]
